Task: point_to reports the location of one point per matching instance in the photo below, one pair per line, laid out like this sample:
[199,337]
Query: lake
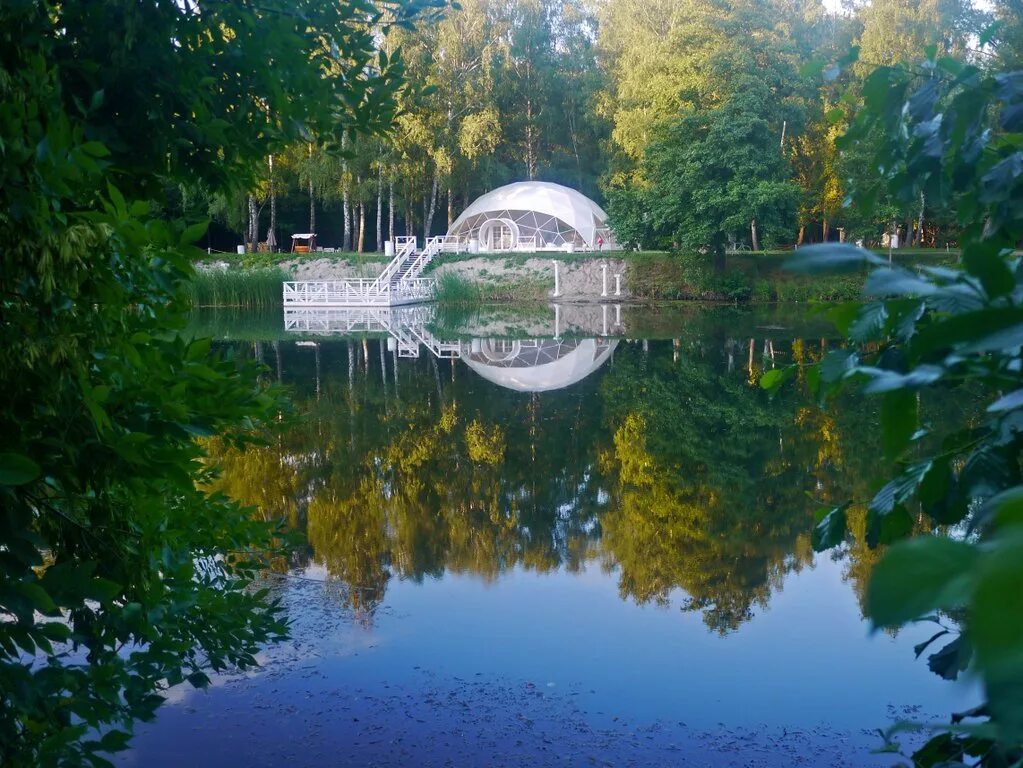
[571,536]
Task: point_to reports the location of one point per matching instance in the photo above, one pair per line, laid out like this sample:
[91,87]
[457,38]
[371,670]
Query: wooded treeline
[699,124]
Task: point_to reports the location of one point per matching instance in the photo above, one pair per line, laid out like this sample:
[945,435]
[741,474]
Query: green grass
[258,288]
[455,290]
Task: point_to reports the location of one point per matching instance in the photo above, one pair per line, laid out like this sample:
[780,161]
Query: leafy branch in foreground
[119,574]
[953,134]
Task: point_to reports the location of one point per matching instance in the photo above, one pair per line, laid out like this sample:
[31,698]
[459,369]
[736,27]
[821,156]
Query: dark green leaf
[199,680]
[869,323]
[194,233]
[102,590]
[773,379]
[918,576]
[830,529]
[885,528]
[831,258]
[898,421]
[919,648]
[952,659]
[1008,402]
[996,627]
[992,270]
[836,364]
[897,282]
[16,469]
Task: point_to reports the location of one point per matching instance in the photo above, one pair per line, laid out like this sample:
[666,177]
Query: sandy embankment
[580,280]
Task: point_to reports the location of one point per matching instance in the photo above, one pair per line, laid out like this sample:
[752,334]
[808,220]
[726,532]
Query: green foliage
[954,137]
[250,288]
[716,171]
[120,575]
[453,290]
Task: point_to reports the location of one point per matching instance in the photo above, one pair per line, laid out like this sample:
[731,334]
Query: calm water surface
[574,539]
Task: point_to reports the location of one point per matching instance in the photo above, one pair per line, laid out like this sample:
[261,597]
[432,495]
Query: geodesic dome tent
[538,365]
[533,215]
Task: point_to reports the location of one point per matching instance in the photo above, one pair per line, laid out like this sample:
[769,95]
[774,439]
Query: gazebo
[303,243]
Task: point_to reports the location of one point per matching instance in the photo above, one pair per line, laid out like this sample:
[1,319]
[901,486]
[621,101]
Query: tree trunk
[346,213]
[253,236]
[802,234]
[920,224]
[451,207]
[428,218]
[530,139]
[312,198]
[312,208]
[390,208]
[273,205]
[753,235]
[824,231]
[380,208]
[362,226]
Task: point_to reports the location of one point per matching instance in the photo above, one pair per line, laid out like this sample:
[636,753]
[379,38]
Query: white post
[603,311]
[557,283]
[618,284]
[603,280]
[557,321]
[618,315]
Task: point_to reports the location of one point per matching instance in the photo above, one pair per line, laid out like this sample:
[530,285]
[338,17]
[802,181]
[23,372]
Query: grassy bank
[454,290]
[256,288]
[756,277]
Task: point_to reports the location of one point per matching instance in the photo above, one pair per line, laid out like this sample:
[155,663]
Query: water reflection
[524,365]
[666,467]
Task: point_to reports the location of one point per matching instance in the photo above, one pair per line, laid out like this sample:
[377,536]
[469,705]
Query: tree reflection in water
[668,467]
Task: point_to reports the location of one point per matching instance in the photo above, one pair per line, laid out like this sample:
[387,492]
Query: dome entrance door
[499,235]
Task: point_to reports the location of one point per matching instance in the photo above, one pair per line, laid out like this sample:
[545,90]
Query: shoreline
[581,278]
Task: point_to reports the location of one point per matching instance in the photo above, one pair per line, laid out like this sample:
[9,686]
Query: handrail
[355,292]
[404,247]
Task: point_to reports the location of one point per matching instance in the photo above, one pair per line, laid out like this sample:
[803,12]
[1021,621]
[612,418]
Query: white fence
[357,292]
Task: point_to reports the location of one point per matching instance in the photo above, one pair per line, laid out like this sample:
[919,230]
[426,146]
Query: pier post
[603,281]
[618,284]
[557,283]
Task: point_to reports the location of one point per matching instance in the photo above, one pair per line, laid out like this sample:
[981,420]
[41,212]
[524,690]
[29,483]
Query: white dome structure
[537,366]
[533,215]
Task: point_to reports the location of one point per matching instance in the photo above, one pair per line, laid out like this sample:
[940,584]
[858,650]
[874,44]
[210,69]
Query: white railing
[433,246]
[527,244]
[398,283]
[404,249]
[357,292]
[451,243]
[338,293]
[414,289]
[441,349]
[407,325]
